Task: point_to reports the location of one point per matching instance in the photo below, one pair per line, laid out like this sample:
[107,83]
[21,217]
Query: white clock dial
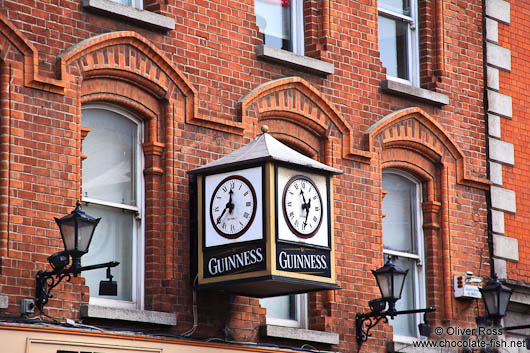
[233,206]
[302,206]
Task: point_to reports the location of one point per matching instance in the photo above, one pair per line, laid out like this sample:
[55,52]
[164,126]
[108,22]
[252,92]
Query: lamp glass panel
[112,241]
[384,281]
[68,234]
[490,300]
[504,299]
[399,284]
[84,233]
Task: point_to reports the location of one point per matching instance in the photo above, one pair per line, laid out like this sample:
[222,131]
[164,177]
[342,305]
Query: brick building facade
[508,132]
[196,80]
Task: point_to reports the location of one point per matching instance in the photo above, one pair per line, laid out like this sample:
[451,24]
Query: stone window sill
[300,62]
[417,93]
[299,334]
[151,317]
[142,17]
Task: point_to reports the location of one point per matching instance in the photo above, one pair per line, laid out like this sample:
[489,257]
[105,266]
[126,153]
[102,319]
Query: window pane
[398,207]
[399,6]
[283,307]
[273,18]
[405,325]
[112,241]
[109,171]
[393,46]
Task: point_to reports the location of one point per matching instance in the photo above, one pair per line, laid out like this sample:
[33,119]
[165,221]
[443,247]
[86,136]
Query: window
[281,23]
[398,39]
[403,239]
[112,190]
[289,310]
[134,3]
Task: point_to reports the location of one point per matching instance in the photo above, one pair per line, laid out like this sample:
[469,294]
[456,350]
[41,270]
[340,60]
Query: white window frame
[413,54]
[138,264]
[419,256]
[297,26]
[301,312]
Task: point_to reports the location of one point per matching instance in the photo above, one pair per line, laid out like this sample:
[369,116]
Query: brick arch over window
[416,129]
[126,70]
[411,140]
[293,107]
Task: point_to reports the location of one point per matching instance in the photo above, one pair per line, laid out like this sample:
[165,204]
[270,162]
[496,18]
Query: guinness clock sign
[262,221]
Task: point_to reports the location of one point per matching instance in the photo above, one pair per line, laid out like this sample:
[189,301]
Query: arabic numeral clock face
[302,206]
[233,206]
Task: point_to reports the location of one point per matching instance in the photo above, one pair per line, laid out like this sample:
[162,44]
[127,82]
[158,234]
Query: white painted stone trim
[493,78]
[496,173]
[492,30]
[499,104]
[497,221]
[498,10]
[494,126]
[301,62]
[152,317]
[299,334]
[505,247]
[498,56]
[147,18]
[502,199]
[501,151]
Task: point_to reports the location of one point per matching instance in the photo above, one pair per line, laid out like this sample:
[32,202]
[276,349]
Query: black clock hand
[307,207]
[222,213]
[229,206]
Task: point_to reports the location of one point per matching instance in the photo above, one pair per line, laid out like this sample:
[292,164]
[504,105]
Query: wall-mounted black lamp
[390,279]
[496,298]
[77,230]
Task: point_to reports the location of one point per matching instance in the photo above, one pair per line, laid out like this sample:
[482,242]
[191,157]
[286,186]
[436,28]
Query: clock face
[302,206]
[233,206]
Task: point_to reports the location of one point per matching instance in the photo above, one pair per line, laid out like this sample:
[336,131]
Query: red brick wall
[186,85]
[517,131]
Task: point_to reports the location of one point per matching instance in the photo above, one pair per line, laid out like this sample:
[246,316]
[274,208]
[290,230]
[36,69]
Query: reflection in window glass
[283,307]
[273,18]
[393,46]
[109,170]
[401,7]
[112,241]
[403,238]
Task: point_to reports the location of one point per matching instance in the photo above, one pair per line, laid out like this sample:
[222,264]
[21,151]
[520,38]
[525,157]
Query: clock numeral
[291,215]
[296,223]
[248,204]
[246,215]
[240,185]
[317,208]
[232,184]
[224,188]
[232,228]
[289,204]
[223,225]
[303,185]
[315,197]
[296,186]
[315,218]
[245,194]
[216,209]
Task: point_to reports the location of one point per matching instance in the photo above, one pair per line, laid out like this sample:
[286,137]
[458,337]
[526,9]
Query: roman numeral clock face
[302,206]
[233,206]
